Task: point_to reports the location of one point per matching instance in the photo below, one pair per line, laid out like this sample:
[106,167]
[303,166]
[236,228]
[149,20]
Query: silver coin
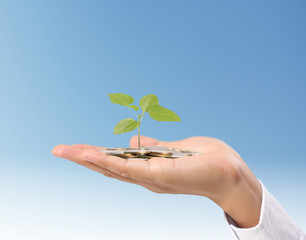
[147,152]
[111,152]
[179,154]
[137,151]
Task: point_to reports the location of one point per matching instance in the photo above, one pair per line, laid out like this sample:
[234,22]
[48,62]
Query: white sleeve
[274,223]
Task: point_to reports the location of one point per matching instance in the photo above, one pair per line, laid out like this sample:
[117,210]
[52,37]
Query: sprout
[148,103]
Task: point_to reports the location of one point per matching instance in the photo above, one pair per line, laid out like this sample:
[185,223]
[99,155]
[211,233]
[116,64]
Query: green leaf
[134,107]
[147,101]
[159,113]
[121,99]
[125,125]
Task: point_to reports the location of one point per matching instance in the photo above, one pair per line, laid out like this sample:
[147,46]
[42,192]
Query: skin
[218,173]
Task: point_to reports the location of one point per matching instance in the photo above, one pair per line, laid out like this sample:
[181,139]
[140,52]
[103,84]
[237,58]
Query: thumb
[144,141]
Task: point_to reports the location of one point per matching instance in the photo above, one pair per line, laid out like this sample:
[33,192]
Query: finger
[74,154]
[148,141]
[145,141]
[133,169]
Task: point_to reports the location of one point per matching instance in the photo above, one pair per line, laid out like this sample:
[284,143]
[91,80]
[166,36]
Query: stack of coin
[146,153]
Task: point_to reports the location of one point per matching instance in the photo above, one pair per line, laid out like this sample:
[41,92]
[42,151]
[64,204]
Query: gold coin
[160,154]
[144,156]
[125,155]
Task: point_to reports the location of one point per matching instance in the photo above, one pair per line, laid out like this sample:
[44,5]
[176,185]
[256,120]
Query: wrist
[243,203]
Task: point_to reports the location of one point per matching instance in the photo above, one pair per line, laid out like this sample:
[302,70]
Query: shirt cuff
[274,222]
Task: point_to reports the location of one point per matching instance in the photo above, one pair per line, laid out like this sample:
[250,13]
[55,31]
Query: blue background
[233,70]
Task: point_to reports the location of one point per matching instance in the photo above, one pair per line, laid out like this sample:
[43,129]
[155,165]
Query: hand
[218,173]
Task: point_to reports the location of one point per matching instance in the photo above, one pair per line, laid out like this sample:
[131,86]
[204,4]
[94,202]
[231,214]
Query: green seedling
[148,103]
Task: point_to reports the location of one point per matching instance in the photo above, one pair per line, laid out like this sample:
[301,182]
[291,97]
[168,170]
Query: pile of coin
[146,153]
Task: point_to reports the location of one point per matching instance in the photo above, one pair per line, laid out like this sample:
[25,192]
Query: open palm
[209,174]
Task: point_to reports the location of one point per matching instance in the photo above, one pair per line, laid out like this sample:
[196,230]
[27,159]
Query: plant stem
[137,126]
[139,137]
[139,121]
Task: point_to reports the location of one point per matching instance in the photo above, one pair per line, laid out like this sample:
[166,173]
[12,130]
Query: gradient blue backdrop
[233,70]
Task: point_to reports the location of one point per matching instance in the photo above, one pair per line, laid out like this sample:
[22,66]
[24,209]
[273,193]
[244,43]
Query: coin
[148,152]
[143,159]
[125,155]
[160,154]
[137,151]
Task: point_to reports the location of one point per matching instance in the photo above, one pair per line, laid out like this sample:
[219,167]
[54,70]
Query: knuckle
[123,174]
[106,174]
[123,170]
